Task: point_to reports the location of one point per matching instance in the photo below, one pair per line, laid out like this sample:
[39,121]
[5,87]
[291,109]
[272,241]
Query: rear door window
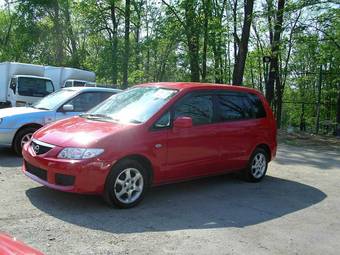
[198,107]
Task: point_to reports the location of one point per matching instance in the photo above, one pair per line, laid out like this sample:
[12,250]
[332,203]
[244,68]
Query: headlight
[79,153]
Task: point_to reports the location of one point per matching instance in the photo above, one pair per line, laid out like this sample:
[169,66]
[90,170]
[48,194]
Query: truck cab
[65,77]
[23,84]
[27,89]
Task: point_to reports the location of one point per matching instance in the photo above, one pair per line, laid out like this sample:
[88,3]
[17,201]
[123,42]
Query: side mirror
[183,122]
[68,108]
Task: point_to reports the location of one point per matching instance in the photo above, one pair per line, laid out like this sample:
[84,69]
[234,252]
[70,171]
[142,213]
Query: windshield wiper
[39,108]
[130,120]
[98,116]
[95,116]
[135,121]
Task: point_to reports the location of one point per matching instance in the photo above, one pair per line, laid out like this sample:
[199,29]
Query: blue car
[17,124]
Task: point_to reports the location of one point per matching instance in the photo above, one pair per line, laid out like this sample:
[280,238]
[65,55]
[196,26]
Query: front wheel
[257,166]
[126,184]
[23,136]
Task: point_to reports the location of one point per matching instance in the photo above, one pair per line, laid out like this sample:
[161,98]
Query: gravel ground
[294,210]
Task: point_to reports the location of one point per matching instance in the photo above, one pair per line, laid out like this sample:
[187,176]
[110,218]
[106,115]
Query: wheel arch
[266,148]
[143,160]
[34,125]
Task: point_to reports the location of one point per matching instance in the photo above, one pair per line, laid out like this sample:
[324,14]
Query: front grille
[41,173]
[39,148]
[64,180]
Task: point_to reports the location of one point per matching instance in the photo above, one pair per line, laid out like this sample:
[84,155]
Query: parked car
[154,134]
[19,123]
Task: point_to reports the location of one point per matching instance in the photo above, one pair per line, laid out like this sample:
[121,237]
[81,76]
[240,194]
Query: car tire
[23,135]
[257,166]
[126,184]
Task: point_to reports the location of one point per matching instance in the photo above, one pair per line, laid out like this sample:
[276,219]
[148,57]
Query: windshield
[135,105]
[34,87]
[53,100]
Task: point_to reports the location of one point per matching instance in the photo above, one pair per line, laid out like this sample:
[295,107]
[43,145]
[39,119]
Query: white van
[22,84]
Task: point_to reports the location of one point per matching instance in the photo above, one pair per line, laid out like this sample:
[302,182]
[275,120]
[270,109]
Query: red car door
[238,129]
[193,151]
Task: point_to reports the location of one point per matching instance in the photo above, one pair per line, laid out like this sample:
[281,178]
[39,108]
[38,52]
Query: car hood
[79,132]
[13,111]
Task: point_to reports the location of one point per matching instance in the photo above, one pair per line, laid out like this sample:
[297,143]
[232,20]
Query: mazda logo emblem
[36,148]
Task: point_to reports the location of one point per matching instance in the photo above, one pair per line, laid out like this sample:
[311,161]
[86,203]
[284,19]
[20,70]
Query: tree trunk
[147,66]
[279,95]
[275,48]
[192,39]
[75,56]
[259,59]
[243,48]
[59,58]
[338,114]
[302,118]
[126,45]
[338,108]
[207,10]
[138,10]
[4,41]
[235,29]
[317,124]
[114,44]
[216,59]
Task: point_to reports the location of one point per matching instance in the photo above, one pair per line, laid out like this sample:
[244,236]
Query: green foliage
[163,42]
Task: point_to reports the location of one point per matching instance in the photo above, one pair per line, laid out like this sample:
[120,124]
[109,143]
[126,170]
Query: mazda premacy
[154,134]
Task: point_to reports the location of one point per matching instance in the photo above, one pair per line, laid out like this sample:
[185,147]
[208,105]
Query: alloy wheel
[26,138]
[259,165]
[129,185]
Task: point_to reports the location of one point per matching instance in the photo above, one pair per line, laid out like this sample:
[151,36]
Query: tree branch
[174,12]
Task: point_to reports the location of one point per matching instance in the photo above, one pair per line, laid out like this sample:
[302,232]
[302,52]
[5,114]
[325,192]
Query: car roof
[198,85]
[92,89]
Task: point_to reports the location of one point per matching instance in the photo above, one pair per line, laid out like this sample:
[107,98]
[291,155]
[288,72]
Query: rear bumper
[7,135]
[87,176]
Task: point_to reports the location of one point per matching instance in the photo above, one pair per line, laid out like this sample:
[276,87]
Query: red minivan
[154,134]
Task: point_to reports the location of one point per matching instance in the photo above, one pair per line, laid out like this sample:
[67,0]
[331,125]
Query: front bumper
[7,135]
[82,176]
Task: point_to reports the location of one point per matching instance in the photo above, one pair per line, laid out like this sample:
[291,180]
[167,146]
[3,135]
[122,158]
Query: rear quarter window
[257,106]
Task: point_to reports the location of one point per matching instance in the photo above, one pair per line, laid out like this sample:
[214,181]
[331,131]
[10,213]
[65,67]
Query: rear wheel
[22,137]
[126,184]
[257,166]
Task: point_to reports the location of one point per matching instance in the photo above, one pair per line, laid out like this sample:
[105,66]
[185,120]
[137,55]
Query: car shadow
[216,202]
[8,158]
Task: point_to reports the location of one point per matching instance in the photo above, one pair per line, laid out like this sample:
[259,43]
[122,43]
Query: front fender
[21,120]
